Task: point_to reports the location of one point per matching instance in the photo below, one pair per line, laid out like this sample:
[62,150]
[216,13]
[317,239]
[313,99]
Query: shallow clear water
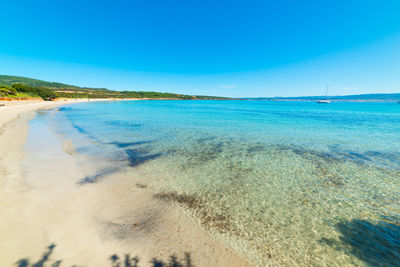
[282,183]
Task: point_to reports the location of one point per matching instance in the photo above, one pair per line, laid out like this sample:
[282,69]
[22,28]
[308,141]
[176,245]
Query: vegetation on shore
[15,86]
[24,91]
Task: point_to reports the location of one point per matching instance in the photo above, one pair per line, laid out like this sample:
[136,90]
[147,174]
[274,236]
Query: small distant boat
[324,101]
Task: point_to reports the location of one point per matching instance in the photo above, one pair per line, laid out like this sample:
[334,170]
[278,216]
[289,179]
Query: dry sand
[41,205]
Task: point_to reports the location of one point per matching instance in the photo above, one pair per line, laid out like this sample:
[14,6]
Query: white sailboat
[324,101]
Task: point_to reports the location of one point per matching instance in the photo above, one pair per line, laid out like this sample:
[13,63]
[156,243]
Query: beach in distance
[199,183]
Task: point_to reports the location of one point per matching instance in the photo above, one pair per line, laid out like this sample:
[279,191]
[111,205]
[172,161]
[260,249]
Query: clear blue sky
[230,48]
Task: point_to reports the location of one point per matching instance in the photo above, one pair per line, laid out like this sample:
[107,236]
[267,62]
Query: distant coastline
[332,100]
[22,88]
[347,98]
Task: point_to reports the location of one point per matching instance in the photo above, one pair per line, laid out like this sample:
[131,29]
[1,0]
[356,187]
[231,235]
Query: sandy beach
[46,218]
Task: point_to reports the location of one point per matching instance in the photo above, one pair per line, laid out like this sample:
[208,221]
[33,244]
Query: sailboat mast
[325,99]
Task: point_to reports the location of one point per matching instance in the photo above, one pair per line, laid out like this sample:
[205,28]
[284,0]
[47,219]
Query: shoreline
[99,217]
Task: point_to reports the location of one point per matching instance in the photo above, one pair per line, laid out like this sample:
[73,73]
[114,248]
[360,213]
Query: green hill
[73,91]
[10,80]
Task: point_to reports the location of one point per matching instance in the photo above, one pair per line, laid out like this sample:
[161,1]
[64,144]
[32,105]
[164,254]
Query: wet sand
[45,215]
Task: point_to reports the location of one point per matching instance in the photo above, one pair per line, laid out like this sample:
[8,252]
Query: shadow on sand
[374,244]
[134,156]
[115,261]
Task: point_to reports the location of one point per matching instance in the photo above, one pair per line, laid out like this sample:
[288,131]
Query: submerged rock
[138,185]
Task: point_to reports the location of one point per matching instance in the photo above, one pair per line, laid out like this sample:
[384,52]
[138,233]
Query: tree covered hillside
[15,86]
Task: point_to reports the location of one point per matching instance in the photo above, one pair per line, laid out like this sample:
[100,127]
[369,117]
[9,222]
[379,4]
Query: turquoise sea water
[281,183]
